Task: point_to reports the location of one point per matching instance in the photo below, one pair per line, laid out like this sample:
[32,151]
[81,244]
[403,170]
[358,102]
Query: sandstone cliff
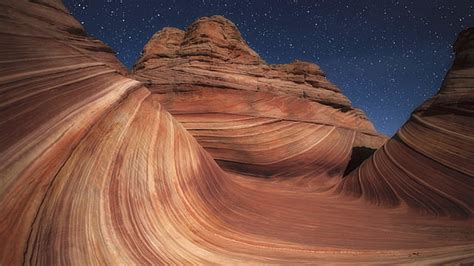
[428,164]
[254,118]
[95,170]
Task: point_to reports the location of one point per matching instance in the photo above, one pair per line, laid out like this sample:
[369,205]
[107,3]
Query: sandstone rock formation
[94,169]
[429,164]
[55,84]
[254,118]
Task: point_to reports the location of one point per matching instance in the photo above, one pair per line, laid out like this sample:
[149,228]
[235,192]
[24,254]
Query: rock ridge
[215,42]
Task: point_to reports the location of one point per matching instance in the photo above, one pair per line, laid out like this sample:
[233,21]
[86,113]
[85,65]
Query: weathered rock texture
[254,118]
[429,164]
[95,171]
[55,84]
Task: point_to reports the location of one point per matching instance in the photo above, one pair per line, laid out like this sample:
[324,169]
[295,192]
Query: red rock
[95,170]
[212,53]
[428,164]
[232,102]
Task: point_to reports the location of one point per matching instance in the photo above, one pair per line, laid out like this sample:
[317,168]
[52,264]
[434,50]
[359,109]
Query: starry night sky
[386,56]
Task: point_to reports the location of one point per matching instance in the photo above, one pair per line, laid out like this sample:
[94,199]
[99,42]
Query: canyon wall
[285,121]
[98,166]
[428,164]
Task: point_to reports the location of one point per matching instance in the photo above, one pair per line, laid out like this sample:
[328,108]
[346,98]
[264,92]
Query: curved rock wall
[95,170]
[55,84]
[428,164]
[234,104]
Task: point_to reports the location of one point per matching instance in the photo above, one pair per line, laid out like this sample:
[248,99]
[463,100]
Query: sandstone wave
[206,154]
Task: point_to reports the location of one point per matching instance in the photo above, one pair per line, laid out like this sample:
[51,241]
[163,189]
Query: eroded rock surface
[429,164]
[254,118]
[94,169]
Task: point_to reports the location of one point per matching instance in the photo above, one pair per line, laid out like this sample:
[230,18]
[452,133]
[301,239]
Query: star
[387,57]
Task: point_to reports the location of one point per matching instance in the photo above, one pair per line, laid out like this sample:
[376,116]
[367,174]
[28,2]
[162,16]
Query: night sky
[386,56]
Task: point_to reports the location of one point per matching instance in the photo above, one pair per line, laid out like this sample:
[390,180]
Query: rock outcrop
[428,164]
[55,84]
[212,53]
[95,170]
[254,118]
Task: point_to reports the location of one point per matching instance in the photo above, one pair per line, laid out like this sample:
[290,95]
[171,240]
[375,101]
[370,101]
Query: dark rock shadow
[359,155]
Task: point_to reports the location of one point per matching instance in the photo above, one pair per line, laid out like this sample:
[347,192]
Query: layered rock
[429,164]
[212,53]
[254,118]
[94,170]
[55,84]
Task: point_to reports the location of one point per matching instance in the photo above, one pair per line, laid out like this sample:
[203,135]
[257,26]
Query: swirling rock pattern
[94,169]
[55,83]
[254,118]
[429,164]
